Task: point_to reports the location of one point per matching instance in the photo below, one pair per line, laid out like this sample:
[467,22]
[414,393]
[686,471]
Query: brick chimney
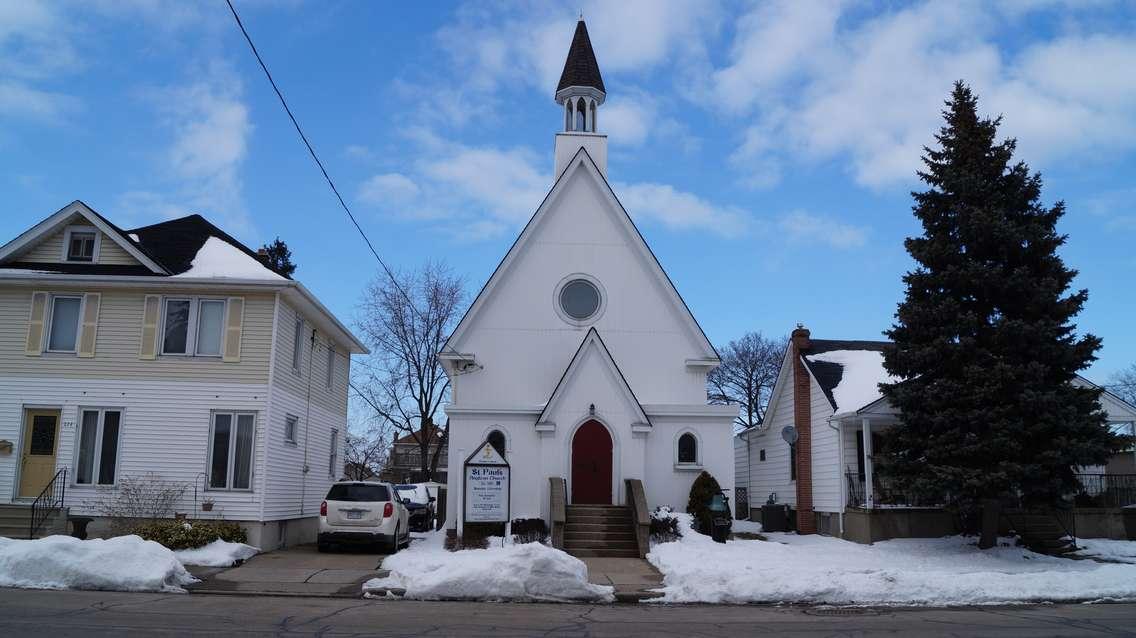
[802,421]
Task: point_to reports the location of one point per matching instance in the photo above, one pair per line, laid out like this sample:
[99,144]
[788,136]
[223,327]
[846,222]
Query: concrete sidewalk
[633,578]
[299,570]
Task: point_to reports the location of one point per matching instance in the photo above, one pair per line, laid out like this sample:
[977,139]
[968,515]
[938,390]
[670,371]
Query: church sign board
[486,486]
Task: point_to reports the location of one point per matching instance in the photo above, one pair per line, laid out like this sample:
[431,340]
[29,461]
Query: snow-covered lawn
[219,553]
[124,563]
[1105,549]
[521,572]
[819,569]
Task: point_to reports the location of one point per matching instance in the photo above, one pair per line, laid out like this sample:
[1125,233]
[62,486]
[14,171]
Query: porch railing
[885,492]
[1106,490]
[49,500]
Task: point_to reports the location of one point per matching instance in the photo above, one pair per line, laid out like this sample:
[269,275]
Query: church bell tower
[580,93]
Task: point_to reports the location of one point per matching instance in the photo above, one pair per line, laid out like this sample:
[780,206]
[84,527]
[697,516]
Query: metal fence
[1106,490]
[885,492]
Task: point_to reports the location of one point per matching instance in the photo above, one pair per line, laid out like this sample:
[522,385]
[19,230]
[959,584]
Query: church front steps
[600,531]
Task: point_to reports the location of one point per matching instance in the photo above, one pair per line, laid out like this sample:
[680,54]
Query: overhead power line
[312,152]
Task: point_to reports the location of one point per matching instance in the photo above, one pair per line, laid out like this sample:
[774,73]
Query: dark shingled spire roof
[581,68]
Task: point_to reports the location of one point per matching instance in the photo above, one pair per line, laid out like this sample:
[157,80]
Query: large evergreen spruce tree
[984,339]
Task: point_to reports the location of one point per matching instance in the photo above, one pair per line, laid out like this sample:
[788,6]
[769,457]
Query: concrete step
[599,544]
[599,536]
[604,553]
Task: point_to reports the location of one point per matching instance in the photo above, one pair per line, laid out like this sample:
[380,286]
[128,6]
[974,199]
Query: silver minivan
[363,512]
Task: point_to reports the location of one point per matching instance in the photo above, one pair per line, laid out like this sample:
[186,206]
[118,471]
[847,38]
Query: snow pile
[859,383]
[219,553]
[820,569]
[124,563]
[219,258]
[521,572]
[1110,550]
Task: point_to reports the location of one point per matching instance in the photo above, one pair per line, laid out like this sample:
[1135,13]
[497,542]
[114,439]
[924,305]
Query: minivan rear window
[348,492]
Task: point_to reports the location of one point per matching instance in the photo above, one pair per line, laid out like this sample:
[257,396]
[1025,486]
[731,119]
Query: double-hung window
[64,332]
[230,450]
[81,245]
[97,455]
[290,423]
[298,345]
[192,326]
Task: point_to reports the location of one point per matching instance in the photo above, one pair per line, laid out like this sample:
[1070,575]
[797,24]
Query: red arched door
[591,465]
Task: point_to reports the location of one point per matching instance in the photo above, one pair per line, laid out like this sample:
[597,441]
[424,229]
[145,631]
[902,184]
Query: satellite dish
[789,433]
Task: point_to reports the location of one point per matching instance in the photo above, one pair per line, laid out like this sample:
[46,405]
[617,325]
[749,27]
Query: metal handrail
[46,502]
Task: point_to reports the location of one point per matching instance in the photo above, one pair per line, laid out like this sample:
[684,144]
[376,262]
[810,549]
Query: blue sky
[766,151]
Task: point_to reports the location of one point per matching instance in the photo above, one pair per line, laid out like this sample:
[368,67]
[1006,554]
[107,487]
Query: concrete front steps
[600,531]
[15,519]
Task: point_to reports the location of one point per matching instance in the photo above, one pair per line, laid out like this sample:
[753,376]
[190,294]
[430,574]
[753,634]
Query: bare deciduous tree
[366,446]
[406,326]
[1123,384]
[746,376]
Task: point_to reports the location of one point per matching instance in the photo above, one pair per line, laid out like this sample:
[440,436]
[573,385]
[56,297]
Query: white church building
[579,359]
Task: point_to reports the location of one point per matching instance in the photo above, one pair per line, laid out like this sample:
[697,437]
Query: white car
[363,512]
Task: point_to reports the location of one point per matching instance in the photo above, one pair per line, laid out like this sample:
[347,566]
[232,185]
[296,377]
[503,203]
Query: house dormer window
[81,244]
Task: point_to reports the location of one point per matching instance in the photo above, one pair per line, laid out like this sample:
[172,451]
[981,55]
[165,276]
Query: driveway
[299,570]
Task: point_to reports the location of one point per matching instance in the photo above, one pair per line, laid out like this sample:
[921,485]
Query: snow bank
[219,553]
[1105,549]
[522,572]
[859,383]
[821,569]
[219,258]
[124,563]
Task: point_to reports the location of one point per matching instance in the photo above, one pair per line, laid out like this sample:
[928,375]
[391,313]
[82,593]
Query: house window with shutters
[193,326]
[63,332]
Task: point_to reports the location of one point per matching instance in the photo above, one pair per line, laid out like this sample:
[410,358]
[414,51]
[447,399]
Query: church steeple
[581,87]
[580,93]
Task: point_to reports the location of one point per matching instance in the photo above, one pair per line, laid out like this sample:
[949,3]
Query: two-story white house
[171,352]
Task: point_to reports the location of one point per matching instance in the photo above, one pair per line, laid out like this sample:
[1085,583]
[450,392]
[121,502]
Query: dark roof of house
[581,68]
[435,437]
[175,243]
[828,374]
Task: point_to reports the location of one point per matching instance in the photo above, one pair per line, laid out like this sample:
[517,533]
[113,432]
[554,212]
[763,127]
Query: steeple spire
[581,92]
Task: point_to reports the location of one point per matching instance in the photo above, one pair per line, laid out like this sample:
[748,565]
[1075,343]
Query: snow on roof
[218,258]
[862,372]
[133,236]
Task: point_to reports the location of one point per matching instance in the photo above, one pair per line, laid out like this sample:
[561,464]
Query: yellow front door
[41,440]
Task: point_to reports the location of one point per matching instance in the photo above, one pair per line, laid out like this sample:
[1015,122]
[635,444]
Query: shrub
[181,534]
[664,526]
[145,497]
[529,530]
[704,487]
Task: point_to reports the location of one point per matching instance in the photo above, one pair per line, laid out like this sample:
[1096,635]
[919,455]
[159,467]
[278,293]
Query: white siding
[741,463]
[49,250]
[165,429]
[772,474]
[826,453]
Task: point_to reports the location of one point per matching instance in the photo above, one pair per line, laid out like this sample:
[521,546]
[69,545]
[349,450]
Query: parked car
[363,512]
[420,505]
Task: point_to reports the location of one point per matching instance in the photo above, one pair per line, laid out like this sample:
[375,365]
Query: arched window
[497,440]
[581,112]
[568,115]
[592,112]
[687,448]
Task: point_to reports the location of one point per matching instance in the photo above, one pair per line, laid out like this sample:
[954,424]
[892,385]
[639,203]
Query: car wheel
[395,544]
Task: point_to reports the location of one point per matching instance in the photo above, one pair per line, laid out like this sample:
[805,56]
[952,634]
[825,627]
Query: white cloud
[680,210]
[802,227]
[209,126]
[504,183]
[19,100]
[388,188]
[822,84]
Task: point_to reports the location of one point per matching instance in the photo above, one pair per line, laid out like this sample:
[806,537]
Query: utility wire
[312,152]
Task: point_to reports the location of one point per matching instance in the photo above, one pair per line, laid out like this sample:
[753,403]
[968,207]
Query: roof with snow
[192,247]
[581,68]
[849,372]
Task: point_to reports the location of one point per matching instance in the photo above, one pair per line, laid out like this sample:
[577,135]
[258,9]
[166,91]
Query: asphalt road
[49,613]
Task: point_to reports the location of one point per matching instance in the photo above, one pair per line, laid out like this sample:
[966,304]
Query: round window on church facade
[579,299]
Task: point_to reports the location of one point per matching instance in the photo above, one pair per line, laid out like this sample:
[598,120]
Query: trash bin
[774,518]
[720,519]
